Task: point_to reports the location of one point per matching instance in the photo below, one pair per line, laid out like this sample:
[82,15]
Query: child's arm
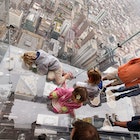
[42,69]
[53,94]
[60,93]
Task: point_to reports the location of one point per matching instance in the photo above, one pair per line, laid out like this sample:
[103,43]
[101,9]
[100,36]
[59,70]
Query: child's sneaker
[115,117]
[108,117]
[111,120]
[113,90]
[70,75]
[104,89]
[117,97]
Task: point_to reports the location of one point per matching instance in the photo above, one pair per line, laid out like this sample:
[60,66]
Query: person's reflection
[84,131]
[42,137]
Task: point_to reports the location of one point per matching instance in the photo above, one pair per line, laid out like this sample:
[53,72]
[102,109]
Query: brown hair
[80,93]
[94,76]
[84,131]
[29,58]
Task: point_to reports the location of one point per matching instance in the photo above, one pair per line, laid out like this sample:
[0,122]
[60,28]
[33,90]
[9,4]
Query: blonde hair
[94,76]
[29,58]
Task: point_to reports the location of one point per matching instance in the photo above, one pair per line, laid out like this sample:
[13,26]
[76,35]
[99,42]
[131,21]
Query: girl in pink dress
[65,100]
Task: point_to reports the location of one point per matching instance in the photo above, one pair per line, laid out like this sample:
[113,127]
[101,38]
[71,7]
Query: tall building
[4,10]
[78,22]
[97,19]
[53,47]
[16,3]
[89,36]
[65,27]
[70,36]
[3,31]
[85,54]
[50,5]
[44,26]
[15,17]
[83,27]
[32,21]
[30,41]
[25,4]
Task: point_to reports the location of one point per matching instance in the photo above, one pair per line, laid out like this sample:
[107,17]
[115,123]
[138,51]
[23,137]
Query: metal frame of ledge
[113,135]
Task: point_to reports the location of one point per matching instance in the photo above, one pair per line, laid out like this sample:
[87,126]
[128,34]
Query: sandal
[70,75]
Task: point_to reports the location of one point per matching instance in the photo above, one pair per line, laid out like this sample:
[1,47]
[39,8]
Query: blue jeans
[134,124]
[123,88]
[134,92]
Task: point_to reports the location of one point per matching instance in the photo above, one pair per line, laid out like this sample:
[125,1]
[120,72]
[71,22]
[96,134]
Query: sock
[117,97]
[111,121]
[113,90]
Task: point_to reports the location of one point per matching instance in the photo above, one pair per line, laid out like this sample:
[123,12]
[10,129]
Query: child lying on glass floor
[46,64]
